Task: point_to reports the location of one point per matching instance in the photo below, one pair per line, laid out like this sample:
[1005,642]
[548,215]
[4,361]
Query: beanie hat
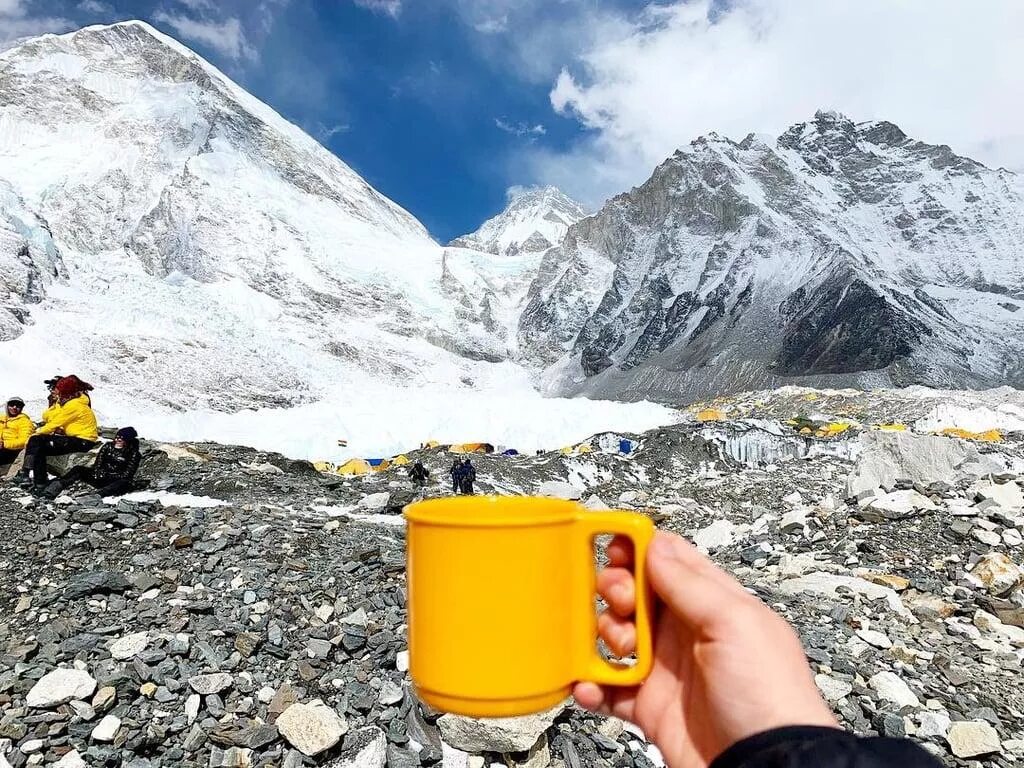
[126,433]
[66,387]
[15,400]
[83,386]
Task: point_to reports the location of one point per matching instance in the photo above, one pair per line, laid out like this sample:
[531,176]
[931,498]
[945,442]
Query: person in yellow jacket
[15,430]
[70,428]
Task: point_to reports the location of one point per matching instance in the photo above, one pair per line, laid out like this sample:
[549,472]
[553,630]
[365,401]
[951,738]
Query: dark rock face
[845,329]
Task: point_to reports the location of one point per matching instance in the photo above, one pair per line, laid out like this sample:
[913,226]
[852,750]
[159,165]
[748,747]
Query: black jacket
[112,465]
[812,747]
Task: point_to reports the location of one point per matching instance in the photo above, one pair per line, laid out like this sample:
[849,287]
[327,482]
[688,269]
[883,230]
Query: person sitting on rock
[70,428]
[419,474]
[15,430]
[468,475]
[111,473]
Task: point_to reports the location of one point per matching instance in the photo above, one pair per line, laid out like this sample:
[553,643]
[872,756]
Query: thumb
[699,593]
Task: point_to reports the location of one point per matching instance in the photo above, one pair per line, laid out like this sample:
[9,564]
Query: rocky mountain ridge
[838,253]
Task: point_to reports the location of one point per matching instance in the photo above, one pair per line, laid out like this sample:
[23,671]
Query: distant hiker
[468,476]
[111,473]
[15,430]
[70,428]
[456,473]
[419,474]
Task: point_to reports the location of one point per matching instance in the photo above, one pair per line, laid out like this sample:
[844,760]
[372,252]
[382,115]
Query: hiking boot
[22,479]
[53,490]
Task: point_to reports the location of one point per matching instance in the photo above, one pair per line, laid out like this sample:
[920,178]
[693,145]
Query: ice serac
[839,253]
[163,231]
[535,219]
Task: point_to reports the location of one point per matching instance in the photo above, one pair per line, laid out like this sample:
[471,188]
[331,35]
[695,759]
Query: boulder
[1007,495]
[972,738]
[827,585]
[498,734]
[375,502]
[890,687]
[129,646]
[889,456]
[209,684]
[997,573]
[557,489]
[901,503]
[720,533]
[59,687]
[107,728]
[311,728]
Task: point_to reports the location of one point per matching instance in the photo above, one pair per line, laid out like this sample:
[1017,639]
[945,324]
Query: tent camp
[472,448]
[355,467]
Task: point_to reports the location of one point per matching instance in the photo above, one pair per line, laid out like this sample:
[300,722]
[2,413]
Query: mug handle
[640,530]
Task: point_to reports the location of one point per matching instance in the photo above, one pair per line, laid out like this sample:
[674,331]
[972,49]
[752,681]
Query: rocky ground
[248,610]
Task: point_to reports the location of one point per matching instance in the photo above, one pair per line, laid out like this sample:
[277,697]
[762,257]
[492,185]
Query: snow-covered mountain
[164,232]
[535,219]
[837,254]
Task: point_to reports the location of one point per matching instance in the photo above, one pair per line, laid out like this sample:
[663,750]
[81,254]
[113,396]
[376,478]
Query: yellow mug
[501,599]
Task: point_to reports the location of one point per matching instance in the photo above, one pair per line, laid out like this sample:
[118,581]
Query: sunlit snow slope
[175,241]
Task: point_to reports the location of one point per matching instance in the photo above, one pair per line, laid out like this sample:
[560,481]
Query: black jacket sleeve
[813,747]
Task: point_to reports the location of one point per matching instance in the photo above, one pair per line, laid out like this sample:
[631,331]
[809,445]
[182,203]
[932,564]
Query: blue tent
[510,452]
[626,446]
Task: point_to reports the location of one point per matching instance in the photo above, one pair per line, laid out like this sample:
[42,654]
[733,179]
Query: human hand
[725,665]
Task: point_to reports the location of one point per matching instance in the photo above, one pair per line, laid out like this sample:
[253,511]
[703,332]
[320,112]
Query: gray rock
[59,687]
[890,687]
[559,490]
[97,583]
[311,728]
[500,734]
[972,739]
[212,683]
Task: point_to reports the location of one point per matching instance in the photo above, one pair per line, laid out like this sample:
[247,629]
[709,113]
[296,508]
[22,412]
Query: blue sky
[430,101]
[443,105]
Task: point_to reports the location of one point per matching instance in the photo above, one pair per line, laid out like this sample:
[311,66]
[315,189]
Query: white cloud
[17,21]
[225,36]
[95,6]
[325,133]
[388,7]
[520,128]
[945,71]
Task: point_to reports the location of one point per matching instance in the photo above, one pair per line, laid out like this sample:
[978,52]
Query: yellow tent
[400,460]
[710,414]
[834,428]
[471,448]
[584,448]
[431,444]
[567,451]
[324,466]
[892,427]
[989,436]
[355,467]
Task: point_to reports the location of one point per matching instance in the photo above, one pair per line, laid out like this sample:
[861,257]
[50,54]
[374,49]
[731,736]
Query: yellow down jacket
[15,431]
[73,418]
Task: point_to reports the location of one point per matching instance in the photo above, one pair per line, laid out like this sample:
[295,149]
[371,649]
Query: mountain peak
[535,219]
